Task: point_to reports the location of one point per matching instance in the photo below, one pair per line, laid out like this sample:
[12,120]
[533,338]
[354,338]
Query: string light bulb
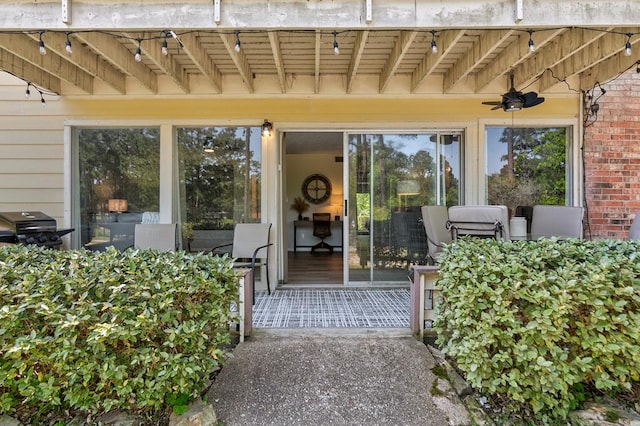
[237,46]
[41,48]
[27,93]
[627,46]
[165,47]
[67,44]
[42,102]
[138,55]
[434,45]
[336,48]
[532,46]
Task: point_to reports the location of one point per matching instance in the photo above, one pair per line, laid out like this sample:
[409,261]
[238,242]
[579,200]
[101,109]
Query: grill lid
[27,222]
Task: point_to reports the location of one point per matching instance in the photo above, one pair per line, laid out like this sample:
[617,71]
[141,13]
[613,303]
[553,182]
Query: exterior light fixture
[434,46]
[165,47]
[138,55]
[532,46]
[237,46]
[67,45]
[336,49]
[627,46]
[41,48]
[267,127]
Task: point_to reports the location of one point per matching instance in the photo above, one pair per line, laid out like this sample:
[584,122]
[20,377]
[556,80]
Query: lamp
[267,127]
[336,203]
[118,205]
[208,146]
[513,105]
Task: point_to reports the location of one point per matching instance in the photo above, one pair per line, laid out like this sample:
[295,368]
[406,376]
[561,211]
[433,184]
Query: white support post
[216,11]
[66,11]
[368,12]
[519,12]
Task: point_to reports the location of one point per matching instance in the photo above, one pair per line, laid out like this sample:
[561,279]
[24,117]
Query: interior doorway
[313,176]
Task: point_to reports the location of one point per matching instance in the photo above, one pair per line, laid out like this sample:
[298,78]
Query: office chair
[322,230]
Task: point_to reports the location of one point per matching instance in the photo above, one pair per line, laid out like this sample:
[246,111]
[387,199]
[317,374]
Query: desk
[335,225]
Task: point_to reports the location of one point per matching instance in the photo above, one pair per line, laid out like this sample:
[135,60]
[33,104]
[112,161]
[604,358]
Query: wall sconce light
[208,146]
[267,127]
[118,205]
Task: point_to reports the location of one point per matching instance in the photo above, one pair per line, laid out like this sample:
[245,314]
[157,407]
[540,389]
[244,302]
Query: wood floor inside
[319,268]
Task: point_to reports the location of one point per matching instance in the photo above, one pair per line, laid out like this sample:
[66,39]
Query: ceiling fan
[514,100]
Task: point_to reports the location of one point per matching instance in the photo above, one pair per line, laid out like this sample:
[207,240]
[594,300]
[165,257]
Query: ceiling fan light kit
[515,100]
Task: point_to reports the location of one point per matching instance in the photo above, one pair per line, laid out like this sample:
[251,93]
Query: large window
[219,181]
[119,184]
[527,166]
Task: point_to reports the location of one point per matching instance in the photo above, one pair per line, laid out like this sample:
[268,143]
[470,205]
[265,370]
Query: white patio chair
[556,221]
[159,236]
[480,221]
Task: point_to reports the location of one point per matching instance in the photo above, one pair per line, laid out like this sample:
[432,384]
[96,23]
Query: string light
[237,46]
[41,48]
[336,48]
[67,44]
[27,93]
[434,45]
[165,48]
[138,55]
[532,46]
[627,46]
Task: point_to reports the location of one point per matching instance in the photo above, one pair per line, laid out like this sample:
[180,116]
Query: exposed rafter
[121,58]
[28,72]
[400,48]
[356,57]
[193,48]
[486,44]
[610,67]
[167,64]
[239,59]
[446,42]
[27,49]
[316,66]
[277,57]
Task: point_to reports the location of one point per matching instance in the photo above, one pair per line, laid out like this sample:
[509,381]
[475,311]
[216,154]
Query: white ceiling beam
[27,48]
[120,57]
[274,40]
[446,42]
[356,57]
[400,48]
[239,60]
[486,44]
[515,53]
[29,72]
[338,15]
[193,48]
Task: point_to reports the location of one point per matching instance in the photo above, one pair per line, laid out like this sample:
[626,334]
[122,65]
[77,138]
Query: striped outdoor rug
[312,308]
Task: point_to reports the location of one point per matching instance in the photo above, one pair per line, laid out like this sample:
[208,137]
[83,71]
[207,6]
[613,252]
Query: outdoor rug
[312,308]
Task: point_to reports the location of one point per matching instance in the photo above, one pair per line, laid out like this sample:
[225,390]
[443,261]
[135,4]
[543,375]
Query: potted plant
[300,206]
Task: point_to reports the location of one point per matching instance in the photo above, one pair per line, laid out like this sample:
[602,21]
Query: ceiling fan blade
[531,99]
[491,103]
[498,106]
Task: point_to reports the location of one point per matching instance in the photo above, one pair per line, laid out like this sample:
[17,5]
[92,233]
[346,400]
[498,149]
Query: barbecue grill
[30,228]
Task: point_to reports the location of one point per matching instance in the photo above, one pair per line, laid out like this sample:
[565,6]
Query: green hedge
[95,331]
[533,321]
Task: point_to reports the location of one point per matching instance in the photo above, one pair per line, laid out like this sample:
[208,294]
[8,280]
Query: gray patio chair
[250,248]
[434,220]
[484,221]
[159,236]
[634,231]
[556,221]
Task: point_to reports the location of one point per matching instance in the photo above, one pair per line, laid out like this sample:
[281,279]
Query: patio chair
[485,221]
[159,236]
[556,221]
[250,248]
[634,231]
[434,220]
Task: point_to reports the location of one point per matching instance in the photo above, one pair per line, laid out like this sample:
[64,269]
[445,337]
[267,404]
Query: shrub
[95,331]
[531,320]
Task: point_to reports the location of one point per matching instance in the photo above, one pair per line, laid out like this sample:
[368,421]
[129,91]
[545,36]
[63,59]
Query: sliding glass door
[390,177]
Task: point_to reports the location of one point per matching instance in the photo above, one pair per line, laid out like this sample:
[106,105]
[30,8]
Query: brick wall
[612,158]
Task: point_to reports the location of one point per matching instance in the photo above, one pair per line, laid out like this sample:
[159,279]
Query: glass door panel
[390,177]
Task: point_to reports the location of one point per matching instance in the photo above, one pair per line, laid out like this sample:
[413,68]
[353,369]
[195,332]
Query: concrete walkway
[355,377]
